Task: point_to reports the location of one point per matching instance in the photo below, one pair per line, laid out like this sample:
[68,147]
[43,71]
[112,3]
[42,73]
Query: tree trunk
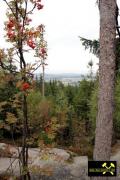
[26,175]
[43,80]
[104,122]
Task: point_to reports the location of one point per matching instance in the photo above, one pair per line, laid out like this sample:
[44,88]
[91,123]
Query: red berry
[11,34]
[42,50]
[31,43]
[10,25]
[25,86]
[33,46]
[39,6]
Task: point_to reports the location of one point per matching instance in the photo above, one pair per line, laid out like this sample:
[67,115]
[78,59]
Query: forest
[47,124]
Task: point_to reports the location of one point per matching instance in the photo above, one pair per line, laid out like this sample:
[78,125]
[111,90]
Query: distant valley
[65,78]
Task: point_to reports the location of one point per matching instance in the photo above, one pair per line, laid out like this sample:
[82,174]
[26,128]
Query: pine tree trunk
[104,122]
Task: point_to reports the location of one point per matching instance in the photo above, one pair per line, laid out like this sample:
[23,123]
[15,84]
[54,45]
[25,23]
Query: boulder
[79,167]
[9,165]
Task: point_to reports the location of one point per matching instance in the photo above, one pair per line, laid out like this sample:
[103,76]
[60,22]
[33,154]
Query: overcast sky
[65,20]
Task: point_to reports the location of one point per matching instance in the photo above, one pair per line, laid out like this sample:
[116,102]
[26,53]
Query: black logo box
[98,165]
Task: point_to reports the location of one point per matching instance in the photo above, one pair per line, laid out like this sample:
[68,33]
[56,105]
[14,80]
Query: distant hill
[66,78]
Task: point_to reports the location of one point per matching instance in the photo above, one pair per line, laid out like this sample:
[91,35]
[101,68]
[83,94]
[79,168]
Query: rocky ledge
[49,163]
[45,164]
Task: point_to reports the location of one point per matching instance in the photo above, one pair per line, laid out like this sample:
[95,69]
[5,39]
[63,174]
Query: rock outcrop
[47,164]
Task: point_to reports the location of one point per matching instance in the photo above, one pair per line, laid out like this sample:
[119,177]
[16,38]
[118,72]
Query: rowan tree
[23,38]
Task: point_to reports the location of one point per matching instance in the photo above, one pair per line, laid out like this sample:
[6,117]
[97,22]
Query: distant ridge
[62,75]
[66,78]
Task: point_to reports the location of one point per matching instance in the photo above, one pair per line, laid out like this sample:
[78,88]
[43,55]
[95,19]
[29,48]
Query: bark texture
[104,122]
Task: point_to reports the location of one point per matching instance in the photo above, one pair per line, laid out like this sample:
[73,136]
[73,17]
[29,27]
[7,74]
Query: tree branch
[10,8]
[31,9]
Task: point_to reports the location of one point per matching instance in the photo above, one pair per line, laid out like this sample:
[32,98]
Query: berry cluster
[25,86]
[31,43]
[17,30]
[38,4]
[42,52]
[10,28]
